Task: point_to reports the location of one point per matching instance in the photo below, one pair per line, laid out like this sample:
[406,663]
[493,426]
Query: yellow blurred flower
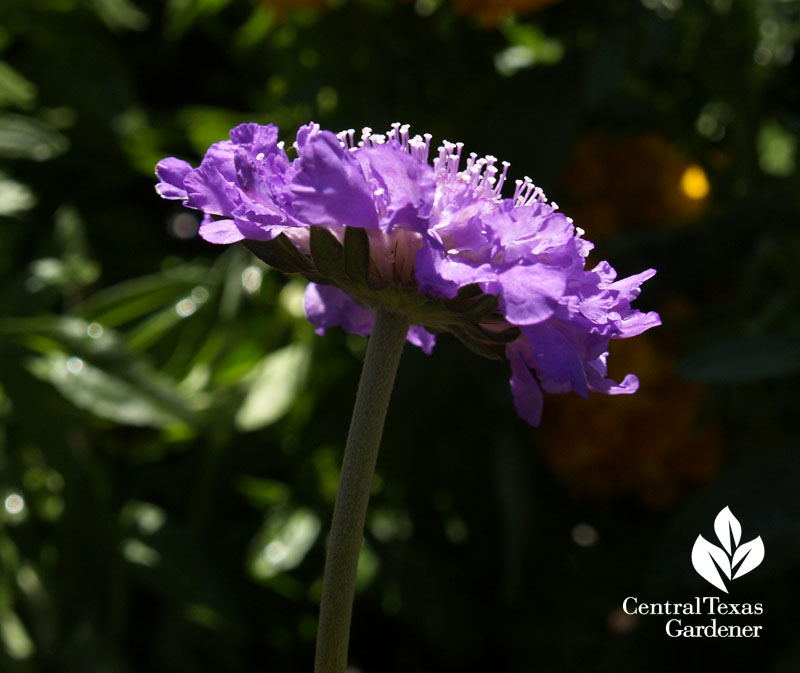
[639,181]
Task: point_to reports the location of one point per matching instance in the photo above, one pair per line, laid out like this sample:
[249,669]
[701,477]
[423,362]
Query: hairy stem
[358,467]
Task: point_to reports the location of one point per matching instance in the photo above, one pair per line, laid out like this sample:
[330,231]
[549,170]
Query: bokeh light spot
[251,279]
[584,535]
[185,307]
[183,225]
[74,365]
[14,503]
[694,183]
[94,330]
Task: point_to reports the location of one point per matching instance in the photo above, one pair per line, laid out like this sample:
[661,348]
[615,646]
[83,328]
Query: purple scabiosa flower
[374,224]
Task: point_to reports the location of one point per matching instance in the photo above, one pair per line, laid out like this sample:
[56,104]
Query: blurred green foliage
[171,427]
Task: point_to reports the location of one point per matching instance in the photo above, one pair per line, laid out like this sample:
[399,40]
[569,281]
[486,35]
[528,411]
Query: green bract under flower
[471,315]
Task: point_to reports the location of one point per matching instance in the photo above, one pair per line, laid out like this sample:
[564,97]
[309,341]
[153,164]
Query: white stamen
[502,180]
[481,176]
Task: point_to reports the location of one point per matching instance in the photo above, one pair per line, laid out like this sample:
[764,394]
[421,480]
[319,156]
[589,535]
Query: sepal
[356,255]
[327,253]
[281,254]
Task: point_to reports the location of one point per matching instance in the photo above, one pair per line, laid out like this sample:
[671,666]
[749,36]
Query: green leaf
[15,197]
[282,542]
[274,386]
[96,372]
[28,138]
[100,393]
[183,13]
[327,253]
[142,296]
[356,254]
[257,27]
[118,14]
[17,643]
[263,492]
[206,124]
[14,88]
[777,150]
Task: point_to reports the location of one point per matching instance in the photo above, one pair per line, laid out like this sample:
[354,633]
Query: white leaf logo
[715,564]
[727,528]
[749,555]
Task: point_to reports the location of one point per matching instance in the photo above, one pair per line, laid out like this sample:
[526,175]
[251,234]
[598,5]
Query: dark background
[171,428]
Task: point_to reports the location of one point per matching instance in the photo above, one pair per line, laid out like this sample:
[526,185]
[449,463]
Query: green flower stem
[358,467]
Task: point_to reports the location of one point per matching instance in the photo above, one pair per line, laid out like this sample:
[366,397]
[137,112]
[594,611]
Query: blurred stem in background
[358,467]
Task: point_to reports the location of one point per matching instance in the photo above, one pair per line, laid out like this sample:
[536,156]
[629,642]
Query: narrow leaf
[505,336]
[99,373]
[280,253]
[356,254]
[479,309]
[475,346]
[327,253]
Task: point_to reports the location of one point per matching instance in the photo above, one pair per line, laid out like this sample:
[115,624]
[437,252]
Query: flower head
[373,223]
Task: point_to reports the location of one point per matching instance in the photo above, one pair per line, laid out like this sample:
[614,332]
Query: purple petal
[419,336]
[220,231]
[259,220]
[330,188]
[528,397]
[629,385]
[304,134]
[257,139]
[221,155]
[405,185]
[636,324]
[526,231]
[327,306]
[530,294]
[557,358]
[441,275]
[209,191]
[628,288]
[172,172]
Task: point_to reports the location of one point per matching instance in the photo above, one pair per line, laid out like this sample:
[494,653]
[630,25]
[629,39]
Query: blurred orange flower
[649,445]
[492,12]
[640,181]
